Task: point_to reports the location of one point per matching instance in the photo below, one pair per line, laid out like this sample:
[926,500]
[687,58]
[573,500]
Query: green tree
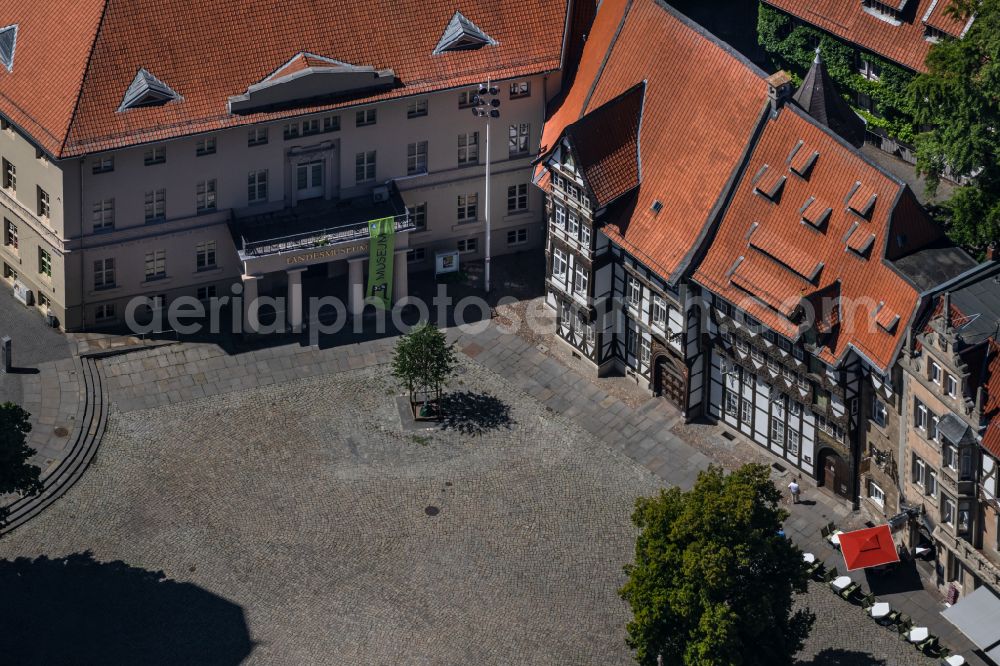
[423,361]
[16,475]
[959,99]
[712,581]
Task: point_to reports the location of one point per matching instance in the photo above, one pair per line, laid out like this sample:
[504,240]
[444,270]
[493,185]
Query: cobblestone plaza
[298,522]
[307,505]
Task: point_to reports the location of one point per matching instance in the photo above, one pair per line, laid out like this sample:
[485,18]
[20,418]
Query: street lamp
[487,105]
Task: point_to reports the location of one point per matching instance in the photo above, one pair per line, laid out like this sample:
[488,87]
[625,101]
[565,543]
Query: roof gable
[461,34]
[606,145]
[308,77]
[147,90]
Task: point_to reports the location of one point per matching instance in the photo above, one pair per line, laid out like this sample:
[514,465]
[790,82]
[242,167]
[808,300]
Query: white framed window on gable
[659,311]
[633,291]
[559,263]
[580,281]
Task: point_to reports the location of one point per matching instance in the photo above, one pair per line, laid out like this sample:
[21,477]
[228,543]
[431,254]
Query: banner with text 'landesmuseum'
[380,259]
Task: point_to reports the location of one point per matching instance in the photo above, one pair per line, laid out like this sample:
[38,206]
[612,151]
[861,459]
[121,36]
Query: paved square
[308,506]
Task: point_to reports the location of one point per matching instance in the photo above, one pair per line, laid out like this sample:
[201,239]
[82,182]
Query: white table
[841,582]
[918,634]
[808,558]
[880,610]
[835,538]
[955,660]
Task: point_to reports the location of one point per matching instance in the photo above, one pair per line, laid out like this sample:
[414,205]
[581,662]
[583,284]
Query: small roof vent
[462,35]
[656,207]
[8,40]
[147,90]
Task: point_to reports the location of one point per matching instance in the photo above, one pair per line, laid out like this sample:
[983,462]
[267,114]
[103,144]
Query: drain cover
[61,431]
[432,511]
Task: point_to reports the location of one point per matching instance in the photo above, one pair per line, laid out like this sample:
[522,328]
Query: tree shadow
[839,657]
[76,610]
[474,413]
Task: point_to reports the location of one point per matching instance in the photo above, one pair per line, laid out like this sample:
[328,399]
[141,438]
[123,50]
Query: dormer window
[815,213]
[8,40]
[889,10]
[802,159]
[461,34]
[146,90]
[769,183]
[861,200]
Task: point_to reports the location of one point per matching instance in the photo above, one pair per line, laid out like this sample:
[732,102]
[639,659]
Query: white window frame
[559,263]
[364,167]
[206,195]
[257,186]
[205,256]
[468,207]
[156,265]
[468,148]
[365,117]
[581,280]
[416,108]
[104,274]
[660,311]
[155,205]
[951,385]
[518,139]
[416,158]
[103,216]
[633,292]
[517,198]
[935,373]
[517,236]
[875,493]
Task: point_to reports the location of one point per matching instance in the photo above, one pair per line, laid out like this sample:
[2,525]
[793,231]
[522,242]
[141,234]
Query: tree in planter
[424,361]
[712,580]
[16,475]
[959,98]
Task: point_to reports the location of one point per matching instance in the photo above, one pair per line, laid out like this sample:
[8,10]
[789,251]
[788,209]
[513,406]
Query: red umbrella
[868,548]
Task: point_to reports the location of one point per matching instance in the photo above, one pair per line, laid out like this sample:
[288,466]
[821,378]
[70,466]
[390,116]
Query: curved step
[89,432]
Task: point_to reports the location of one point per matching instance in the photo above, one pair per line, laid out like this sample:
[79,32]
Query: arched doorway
[670,379]
[834,473]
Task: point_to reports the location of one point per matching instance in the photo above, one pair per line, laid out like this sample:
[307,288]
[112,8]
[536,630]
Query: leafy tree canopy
[712,581]
[16,475]
[959,99]
[423,360]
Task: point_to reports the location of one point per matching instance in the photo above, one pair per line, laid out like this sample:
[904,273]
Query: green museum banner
[380,259]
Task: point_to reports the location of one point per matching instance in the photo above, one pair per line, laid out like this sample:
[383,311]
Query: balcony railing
[317,238]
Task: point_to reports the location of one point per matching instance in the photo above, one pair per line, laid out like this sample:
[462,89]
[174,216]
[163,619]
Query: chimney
[991,250]
[779,89]
[946,309]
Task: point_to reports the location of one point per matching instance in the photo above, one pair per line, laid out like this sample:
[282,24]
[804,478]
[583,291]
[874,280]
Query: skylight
[147,90]
[8,40]
[462,35]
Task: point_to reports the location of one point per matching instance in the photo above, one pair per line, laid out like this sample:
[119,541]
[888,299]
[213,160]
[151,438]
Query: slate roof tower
[818,96]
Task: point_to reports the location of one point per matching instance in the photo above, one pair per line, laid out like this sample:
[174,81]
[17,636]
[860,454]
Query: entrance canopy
[978,617]
[868,548]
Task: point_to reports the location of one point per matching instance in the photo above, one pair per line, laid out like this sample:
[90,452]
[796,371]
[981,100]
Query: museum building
[149,150]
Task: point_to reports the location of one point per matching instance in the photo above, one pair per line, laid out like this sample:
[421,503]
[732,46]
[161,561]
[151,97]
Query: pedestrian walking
[794,489]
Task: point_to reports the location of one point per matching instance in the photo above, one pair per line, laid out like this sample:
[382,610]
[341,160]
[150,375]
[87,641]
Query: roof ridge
[604,61]
[83,79]
[703,32]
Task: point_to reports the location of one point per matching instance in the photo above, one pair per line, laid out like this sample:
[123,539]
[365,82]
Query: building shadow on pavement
[474,413]
[76,610]
[838,657]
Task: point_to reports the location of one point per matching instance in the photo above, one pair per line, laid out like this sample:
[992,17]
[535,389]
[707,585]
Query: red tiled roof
[991,408]
[870,291]
[939,18]
[701,107]
[65,93]
[848,20]
[606,144]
